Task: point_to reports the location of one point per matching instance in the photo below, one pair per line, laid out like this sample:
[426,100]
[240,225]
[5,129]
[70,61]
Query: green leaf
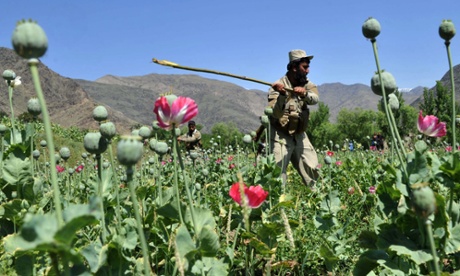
[76,217]
[215,267]
[453,241]
[330,259]
[96,255]
[452,166]
[368,261]
[418,256]
[36,233]
[203,217]
[209,241]
[184,245]
[16,169]
[331,203]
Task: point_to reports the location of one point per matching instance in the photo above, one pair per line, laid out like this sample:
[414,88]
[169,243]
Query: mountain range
[130,100]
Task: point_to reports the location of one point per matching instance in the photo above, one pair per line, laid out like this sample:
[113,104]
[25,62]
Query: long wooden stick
[175,65]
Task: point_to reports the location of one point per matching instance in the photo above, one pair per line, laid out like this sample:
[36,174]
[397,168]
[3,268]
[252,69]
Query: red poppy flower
[255,195]
[330,153]
[449,148]
[60,168]
[79,168]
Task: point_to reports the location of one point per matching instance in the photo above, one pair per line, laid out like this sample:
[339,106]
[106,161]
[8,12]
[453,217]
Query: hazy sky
[90,39]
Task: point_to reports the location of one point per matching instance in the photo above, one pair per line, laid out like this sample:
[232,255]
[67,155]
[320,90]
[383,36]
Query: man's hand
[179,139]
[300,91]
[279,87]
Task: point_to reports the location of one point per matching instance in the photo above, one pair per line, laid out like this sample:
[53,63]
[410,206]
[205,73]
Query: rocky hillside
[68,103]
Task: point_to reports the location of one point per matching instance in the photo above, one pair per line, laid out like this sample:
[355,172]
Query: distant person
[380,141]
[192,138]
[351,146]
[289,97]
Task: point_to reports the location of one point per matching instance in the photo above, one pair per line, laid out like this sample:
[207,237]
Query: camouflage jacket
[290,112]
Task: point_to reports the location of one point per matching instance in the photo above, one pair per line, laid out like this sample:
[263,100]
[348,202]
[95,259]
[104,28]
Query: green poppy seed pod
[371,28]
[43,143]
[57,156]
[36,154]
[177,131]
[9,75]
[328,160]
[145,132]
[193,155]
[447,30]
[253,134]
[84,155]
[100,113]
[151,160]
[268,111]
[247,139]
[33,107]
[95,143]
[389,83]
[171,98]
[152,143]
[108,130]
[155,125]
[424,201]
[151,171]
[65,153]
[3,129]
[29,40]
[135,132]
[264,120]
[70,171]
[205,172]
[105,165]
[161,148]
[393,102]
[129,150]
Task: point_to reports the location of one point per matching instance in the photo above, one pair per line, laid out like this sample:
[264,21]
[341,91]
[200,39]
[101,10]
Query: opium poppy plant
[172,111]
[430,126]
[255,195]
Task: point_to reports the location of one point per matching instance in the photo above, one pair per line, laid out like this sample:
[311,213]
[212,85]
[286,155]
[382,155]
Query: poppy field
[138,205]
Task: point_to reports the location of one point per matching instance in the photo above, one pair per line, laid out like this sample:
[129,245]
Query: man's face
[191,127]
[302,71]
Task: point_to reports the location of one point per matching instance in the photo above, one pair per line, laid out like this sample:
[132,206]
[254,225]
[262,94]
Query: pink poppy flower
[330,153]
[319,166]
[372,189]
[449,148]
[373,147]
[430,126]
[219,160]
[338,163]
[163,163]
[172,111]
[60,168]
[255,195]
[231,166]
[79,168]
[230,158]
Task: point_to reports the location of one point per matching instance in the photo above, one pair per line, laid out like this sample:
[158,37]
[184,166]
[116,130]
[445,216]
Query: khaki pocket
[304,118]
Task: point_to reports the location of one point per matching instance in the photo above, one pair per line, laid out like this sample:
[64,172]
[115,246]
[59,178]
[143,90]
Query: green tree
[228,132]
[358,124]
[317,119]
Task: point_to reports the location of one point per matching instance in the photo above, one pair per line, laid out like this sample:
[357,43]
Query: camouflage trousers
[298,150]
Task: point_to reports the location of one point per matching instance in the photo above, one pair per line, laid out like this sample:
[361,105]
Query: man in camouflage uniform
[192,138]
[289,97]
